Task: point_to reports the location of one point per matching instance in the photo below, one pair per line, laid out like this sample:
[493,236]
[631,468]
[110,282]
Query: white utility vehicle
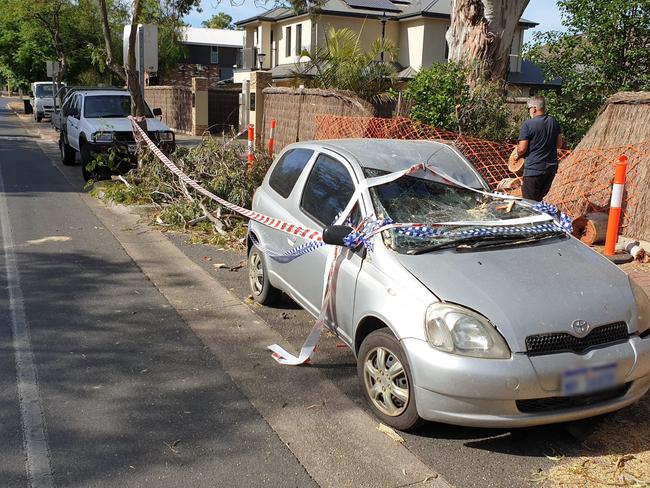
[42,99]
[97,120]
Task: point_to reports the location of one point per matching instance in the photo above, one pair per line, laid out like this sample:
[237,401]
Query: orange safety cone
[615,207]
[272,137]
[251,146]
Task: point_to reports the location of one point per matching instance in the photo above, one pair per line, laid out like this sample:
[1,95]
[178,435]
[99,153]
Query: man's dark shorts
[537,187]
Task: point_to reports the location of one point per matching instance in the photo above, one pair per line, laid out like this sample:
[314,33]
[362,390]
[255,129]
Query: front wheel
[386,380]
[258,279]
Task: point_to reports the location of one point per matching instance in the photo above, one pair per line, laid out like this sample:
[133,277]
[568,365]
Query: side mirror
[334,234]
[31,94]
[70,112]
[157,112]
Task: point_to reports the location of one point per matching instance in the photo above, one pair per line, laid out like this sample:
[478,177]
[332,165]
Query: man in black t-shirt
[539,140]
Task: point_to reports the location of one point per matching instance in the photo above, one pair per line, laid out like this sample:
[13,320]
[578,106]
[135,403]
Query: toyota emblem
[581,327]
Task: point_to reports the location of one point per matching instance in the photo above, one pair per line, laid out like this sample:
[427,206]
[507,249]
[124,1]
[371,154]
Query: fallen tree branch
[218,224]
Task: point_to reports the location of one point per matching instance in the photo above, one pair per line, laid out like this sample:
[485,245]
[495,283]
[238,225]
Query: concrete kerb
[336,442]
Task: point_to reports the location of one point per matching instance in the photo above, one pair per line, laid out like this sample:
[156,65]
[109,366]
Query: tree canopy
[605,49]
[219,21]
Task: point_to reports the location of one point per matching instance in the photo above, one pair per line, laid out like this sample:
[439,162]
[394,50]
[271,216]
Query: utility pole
[141,58]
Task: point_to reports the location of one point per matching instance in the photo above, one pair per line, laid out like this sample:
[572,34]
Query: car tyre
[258,278]
[67,152]
[38,117]
[386,380]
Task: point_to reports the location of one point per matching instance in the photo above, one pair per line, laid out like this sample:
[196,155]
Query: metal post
[383,33]
[141,58]
[247,102]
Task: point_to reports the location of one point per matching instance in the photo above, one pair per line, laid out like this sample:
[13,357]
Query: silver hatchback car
[471,329]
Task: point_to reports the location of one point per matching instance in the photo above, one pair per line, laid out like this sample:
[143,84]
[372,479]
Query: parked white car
[97,120]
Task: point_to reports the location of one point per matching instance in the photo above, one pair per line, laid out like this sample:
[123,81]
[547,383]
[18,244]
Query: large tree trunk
[481,35]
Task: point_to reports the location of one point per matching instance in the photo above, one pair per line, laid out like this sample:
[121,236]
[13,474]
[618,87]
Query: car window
[108,106]
[75,103]
[286,172]
[327,190]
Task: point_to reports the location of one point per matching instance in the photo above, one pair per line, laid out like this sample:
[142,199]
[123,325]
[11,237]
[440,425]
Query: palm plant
[342,64]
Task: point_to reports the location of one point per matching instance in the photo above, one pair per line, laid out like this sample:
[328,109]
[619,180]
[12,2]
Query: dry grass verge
[617,453]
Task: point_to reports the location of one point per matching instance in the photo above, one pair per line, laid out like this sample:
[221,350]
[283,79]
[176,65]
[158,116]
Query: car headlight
[642,307]
[103,137]
[458,330]
[166,136]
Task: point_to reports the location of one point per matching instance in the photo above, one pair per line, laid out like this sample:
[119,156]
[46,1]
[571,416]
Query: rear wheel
[67,152]
[386,380]
[258,279]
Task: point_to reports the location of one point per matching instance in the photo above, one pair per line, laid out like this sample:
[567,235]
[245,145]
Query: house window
[287,42]
[214,55]
[298,39]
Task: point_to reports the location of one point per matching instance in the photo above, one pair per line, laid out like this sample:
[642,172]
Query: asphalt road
[129,396]
[118,369]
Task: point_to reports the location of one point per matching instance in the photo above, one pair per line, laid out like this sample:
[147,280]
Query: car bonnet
[124,124]
[528,289]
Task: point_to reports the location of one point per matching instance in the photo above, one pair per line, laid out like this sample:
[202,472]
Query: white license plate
[588,380]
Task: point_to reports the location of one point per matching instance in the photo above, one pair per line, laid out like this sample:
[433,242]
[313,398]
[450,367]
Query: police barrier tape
[549,220]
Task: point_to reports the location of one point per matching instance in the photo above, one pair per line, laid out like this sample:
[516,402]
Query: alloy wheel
[386,381]
[256,273]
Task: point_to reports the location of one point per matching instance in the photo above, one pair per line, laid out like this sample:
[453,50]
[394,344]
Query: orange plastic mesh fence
[583,182]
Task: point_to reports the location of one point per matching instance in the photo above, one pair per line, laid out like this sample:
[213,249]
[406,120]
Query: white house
[274,39]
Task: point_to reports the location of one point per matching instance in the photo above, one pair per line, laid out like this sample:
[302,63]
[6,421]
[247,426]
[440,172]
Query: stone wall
[175,103]
[295,109]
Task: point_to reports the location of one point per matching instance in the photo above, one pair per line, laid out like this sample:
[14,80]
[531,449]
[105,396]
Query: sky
[545,12]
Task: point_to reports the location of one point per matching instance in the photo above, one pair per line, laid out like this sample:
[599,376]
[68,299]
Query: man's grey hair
[537,102]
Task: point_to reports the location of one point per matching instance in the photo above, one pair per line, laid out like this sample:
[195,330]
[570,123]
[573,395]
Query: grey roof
[404,9]
[289,70]
[407,73]
[532,75]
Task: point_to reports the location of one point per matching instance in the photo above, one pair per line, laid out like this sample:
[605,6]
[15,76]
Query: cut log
[512,186]
[516,165]
[591,228]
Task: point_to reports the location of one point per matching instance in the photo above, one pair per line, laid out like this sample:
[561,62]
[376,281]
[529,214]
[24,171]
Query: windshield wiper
[476,242]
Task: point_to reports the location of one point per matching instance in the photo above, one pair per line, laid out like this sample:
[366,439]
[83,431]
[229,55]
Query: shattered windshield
[425,200]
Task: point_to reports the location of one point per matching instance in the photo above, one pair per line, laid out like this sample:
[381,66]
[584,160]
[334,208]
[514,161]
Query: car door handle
[291,240]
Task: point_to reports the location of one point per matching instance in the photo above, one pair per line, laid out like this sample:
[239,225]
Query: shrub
[441,97]
[435,94]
